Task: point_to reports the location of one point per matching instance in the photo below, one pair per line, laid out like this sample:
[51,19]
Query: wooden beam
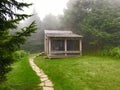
[49,44]
[80,46]
[45,45]
[63,52]
[65,45]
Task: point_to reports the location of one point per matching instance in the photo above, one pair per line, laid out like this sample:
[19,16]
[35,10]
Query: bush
[114,52]
[19,54]
[105,52]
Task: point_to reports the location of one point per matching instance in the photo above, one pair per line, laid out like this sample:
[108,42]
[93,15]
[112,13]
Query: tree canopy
[97,20]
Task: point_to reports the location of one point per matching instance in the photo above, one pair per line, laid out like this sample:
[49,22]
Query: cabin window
[73,45]
[57,45]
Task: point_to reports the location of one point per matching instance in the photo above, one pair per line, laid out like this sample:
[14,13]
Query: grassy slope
[22,77]
[84,73]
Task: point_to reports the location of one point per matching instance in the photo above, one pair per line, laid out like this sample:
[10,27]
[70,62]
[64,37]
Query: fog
[65,14]
[44,7]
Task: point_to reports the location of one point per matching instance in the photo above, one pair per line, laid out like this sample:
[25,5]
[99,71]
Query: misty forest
[22,40]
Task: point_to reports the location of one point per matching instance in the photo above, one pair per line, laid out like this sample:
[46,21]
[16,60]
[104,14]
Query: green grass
[82,73]
[22,77]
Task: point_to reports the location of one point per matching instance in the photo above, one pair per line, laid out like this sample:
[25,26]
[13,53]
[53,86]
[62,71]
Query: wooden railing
[60,52]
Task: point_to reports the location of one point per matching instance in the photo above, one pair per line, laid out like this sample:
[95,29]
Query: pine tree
[9,43]
[97,20]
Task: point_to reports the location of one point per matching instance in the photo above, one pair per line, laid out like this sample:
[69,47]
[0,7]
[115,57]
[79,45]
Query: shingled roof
[61,33]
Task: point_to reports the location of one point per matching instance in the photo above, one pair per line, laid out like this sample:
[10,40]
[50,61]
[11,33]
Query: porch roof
[61,33]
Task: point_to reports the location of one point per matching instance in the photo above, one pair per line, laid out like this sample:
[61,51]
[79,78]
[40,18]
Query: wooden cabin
[60,43]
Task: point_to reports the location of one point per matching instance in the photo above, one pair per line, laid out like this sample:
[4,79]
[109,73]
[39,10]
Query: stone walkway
[46,84]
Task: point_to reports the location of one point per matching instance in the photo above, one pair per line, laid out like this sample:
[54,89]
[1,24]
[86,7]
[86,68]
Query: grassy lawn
[83,73]
[22,77]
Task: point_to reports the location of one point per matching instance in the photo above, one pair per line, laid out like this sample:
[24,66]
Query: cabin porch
[63,46]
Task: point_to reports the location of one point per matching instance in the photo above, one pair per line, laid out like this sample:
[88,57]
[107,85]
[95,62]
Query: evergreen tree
[9,43]
[32,45]
[102,27]
[97,20]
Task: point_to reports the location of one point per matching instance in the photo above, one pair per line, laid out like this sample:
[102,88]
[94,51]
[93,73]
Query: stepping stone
[44,76]
[39,74]
[42,84]
[43,79]
[42,72]
[48,84]
[47,81]
[39,71]
[48,88]
[36,69]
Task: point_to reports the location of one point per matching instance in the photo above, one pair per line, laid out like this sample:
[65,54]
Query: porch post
[80,41]
[65,45]
[45,40]
[49,44]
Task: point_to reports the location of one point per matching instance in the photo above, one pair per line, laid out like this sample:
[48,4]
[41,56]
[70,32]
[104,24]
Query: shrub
[105,52]
[19,54]
[114,52]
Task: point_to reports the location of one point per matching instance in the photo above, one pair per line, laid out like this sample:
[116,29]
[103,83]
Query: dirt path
[46,84]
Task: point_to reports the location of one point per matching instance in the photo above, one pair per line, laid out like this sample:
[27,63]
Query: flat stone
[48,88]
[42,73]
[48,81]
[37,69]
[43,79]
[42,84]
[48,84]
[44,76]
[39,74]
